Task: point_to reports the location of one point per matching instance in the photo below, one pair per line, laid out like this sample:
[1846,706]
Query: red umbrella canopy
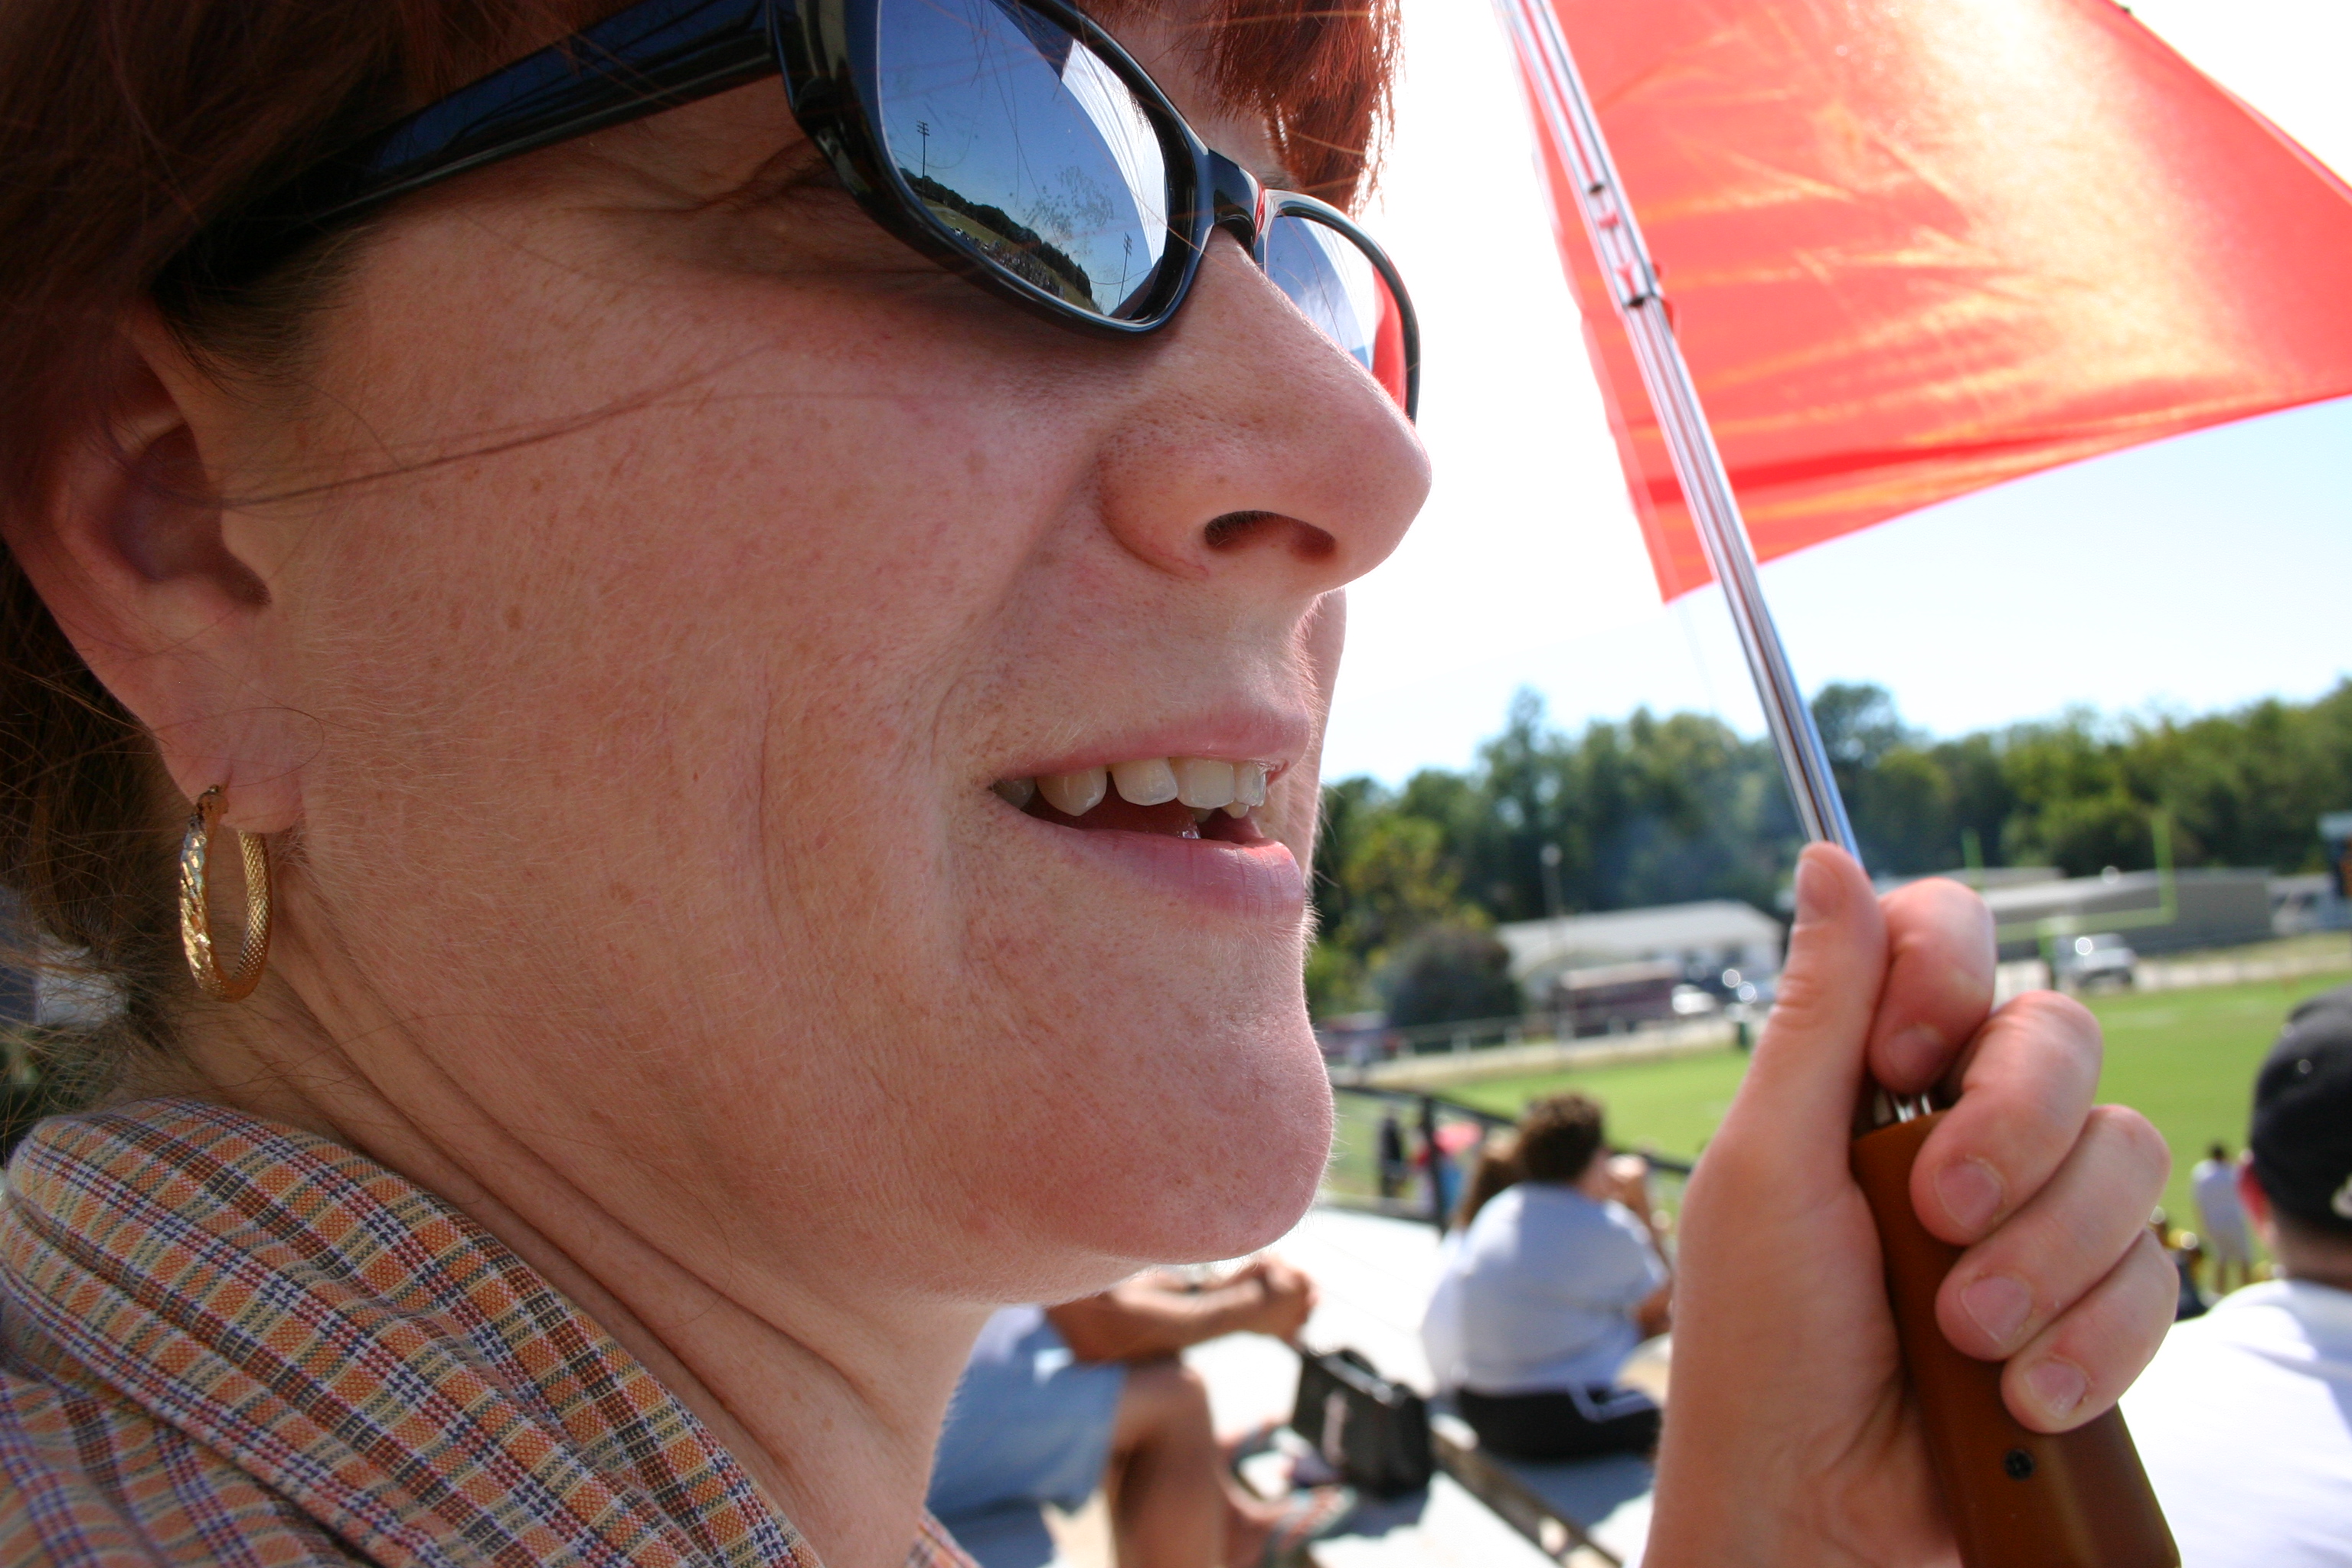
[1913,249]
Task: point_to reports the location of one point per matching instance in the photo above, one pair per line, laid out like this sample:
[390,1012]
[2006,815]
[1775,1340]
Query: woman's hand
[1791,1438]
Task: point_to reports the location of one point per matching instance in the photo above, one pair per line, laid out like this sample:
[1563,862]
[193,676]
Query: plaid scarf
[226,1341]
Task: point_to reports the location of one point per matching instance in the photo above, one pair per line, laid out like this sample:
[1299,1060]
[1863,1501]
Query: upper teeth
[1202,783]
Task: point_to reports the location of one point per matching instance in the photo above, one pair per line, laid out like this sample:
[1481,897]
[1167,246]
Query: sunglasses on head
[1012,140]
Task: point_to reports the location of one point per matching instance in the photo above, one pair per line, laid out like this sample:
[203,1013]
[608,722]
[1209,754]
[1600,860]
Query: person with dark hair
[2245,1418]
[1555,1281]
[1390,1162]
[671,656]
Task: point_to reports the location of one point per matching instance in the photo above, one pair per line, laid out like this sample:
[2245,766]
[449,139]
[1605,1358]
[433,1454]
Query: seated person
[1496,1170]
[1556,1278]
[1058,1400]
[2245,1418]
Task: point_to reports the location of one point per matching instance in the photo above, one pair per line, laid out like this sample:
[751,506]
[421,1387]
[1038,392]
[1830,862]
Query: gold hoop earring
[195,916]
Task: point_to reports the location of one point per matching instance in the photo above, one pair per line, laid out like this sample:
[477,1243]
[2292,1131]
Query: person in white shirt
[2245,1418]
[1550,1286]
[2214,1182]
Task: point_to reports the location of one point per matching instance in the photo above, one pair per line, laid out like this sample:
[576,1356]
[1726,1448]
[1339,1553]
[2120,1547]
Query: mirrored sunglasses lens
[1024,148]
[1336,284]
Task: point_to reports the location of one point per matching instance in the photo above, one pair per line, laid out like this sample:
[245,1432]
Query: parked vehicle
[1695,1002]
[2087,963]
[1614,997]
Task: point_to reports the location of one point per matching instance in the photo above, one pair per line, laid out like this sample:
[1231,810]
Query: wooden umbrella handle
[2017,1499]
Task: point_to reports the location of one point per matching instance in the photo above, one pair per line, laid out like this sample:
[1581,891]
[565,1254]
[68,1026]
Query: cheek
[684,706]
[658,690]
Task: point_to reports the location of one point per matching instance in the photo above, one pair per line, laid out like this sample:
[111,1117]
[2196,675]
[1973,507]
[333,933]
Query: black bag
[1373,1431]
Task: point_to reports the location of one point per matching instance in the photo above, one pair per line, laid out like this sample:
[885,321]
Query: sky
[2196,572]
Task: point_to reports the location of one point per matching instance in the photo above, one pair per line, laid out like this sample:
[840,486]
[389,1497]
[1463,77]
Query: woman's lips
[1172,819]
[1183,821]
[1223,861]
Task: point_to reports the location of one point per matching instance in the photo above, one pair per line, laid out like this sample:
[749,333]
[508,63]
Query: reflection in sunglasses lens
[1024,148]
[1336,286]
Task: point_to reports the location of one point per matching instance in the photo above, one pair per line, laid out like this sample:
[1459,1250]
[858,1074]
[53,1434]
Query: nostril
[1237,530]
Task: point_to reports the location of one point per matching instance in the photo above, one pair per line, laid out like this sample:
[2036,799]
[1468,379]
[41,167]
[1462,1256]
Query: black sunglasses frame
[662,54]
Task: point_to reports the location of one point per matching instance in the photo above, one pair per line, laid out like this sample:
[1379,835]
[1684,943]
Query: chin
[1224,1150]
[1148,1087]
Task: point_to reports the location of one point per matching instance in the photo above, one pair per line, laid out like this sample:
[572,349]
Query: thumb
[1807,1074]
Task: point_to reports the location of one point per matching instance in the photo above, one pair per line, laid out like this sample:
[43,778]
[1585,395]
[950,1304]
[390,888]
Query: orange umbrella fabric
[1914,249]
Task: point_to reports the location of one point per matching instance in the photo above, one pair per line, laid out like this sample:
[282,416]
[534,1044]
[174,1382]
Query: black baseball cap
[2302,1135]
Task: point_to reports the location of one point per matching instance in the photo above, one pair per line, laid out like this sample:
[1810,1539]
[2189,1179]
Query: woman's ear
[133,554]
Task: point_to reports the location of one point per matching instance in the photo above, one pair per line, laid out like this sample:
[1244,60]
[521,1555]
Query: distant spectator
[1496,1168]
[2184,1252]
[1057,1401]
[1441,1172]
[1552,1285]
[1394,1167]
[2245,1418]
[2214,1182]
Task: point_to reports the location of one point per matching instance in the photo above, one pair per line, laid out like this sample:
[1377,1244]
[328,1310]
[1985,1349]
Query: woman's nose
[1256,445]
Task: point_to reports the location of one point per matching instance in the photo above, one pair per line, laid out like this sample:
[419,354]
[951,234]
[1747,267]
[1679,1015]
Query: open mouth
[1206,798]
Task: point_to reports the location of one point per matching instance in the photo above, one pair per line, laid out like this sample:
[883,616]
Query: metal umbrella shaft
[1633,280]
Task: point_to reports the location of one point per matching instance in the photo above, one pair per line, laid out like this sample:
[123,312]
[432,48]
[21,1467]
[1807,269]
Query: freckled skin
[661,915]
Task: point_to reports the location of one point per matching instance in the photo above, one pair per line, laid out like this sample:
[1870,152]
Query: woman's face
[644,719]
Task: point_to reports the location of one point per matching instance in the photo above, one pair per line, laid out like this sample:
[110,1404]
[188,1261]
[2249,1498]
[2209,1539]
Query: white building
[1702,939]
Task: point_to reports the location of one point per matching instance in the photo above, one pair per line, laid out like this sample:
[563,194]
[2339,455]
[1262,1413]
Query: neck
[830,1397]
[2333,1269]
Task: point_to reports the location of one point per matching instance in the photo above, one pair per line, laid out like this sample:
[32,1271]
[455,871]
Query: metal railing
[1424,1178]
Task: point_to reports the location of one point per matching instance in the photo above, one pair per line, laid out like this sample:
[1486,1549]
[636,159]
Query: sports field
[2185,1059]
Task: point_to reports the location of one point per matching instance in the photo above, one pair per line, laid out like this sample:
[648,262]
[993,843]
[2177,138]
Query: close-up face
[670,586]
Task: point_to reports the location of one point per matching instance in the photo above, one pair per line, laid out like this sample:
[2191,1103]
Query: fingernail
[1970,1192]
[2000,1305]
[2058,1386]
[1814,889]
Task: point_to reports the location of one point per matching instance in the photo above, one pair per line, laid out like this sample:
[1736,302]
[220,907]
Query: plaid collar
[206,1319]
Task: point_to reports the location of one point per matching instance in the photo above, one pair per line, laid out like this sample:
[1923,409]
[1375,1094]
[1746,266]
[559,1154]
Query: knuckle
[2146,1256]
[1939,916]
[2051,1014]
[1934,896]
[2110,1337]
[2134,1135]
[1803,995]
[2142,1286]
[2152,1297]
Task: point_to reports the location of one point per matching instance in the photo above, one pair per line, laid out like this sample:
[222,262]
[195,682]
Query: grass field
[2185,1059]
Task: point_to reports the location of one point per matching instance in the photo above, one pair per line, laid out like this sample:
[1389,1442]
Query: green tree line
[1656,809]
